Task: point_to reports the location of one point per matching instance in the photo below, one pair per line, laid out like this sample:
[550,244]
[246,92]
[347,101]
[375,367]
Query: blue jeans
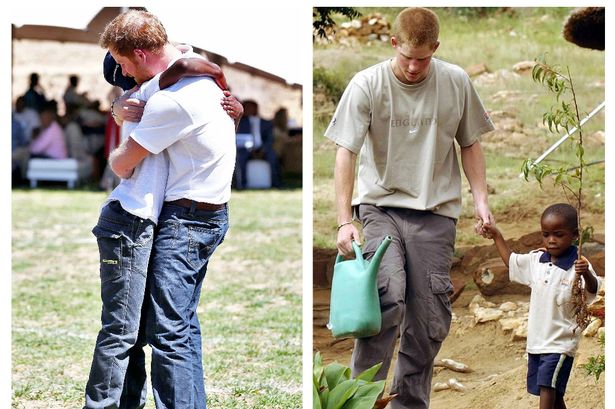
[117,376]
[185,240]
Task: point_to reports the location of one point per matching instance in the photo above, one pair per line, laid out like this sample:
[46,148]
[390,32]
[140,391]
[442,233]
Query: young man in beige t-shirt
[402,118]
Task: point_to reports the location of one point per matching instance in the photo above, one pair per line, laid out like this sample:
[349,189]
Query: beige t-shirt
[405,135]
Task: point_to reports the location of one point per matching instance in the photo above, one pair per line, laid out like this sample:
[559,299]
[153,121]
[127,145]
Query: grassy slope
[250,309]
[499,41]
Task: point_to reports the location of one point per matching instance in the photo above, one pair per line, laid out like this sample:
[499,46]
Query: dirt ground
[498,363]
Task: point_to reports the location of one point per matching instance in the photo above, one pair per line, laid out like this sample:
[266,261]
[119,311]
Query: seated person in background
[50,141]
[28,117]
[19,149]
[35,96]
[28,120]
[260,145]
[281,134]
[76,144]
[73,99]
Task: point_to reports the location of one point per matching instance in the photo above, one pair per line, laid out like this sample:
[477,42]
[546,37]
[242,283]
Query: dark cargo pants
[413,283]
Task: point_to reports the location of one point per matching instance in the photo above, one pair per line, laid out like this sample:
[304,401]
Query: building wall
[55,62]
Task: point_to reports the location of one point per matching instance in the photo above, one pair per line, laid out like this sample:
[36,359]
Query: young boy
[553,337]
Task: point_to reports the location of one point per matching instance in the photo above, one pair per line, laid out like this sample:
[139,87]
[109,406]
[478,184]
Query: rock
[597,307]
[491,276]
[477,69]
[520,333]
[601,331]
[487,314]
[440,386]
[453,365]
[509,324]
[509,306]
[523,67]
[592,328]
[597,261]
[456,385]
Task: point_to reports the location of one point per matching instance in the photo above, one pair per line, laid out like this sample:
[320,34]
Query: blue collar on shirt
[565,261]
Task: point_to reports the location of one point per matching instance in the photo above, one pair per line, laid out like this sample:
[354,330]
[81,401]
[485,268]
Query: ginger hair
[135,29]
[417,26]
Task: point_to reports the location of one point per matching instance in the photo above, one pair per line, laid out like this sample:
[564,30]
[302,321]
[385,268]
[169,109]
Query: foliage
[478,12]
[596,364]
[332,82]
[333,387]
[323,21]
[564,115]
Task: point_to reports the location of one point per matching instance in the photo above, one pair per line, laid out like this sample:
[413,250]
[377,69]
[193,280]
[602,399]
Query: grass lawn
[250,307]
[499,40]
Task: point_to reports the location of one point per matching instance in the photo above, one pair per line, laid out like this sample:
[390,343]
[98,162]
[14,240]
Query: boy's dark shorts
[549,371]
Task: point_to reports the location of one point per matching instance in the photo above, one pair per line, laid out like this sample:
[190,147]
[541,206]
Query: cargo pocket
[440,305]
[110,251]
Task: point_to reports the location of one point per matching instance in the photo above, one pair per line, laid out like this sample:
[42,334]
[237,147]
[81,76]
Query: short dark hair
[565,211]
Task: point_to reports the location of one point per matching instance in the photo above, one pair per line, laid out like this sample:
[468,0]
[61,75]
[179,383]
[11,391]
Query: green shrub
[596,364]
[331,81]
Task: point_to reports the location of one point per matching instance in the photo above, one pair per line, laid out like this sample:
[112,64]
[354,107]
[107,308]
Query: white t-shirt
[143,193]
[405,135]
[551,324]
[188,121]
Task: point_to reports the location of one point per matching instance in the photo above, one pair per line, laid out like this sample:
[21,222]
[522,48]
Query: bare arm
[125,158]
[500,244]
[345,162]
[196,67]
[473,162]
[192,67]
[581,267]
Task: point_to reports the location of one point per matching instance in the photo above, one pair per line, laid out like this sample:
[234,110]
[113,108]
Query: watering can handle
[357,251]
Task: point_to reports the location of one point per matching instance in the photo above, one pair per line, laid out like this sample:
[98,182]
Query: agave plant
[333,387]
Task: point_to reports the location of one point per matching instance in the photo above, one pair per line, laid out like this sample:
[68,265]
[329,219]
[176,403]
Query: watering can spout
[375,261]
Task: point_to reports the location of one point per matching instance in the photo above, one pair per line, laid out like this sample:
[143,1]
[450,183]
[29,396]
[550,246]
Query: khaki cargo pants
[413,283]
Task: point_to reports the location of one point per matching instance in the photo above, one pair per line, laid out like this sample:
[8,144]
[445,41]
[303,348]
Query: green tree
[564,115]
[323,21]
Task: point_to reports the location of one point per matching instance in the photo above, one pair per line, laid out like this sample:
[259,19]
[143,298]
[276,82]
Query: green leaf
[318,368]
[339,395]
[316,404]
[368,374]
[366,396]
[336,373]
[526,168]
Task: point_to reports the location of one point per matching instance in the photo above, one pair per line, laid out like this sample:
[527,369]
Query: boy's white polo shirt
[143,193]
[551,325]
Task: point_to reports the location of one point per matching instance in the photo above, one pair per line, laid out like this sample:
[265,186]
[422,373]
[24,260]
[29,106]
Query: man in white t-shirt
[402,118]
[187,123]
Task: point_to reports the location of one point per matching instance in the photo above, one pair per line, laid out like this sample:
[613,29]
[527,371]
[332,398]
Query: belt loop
[192,208]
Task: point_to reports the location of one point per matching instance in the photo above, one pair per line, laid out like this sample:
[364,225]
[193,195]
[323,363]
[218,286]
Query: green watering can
[355,305]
